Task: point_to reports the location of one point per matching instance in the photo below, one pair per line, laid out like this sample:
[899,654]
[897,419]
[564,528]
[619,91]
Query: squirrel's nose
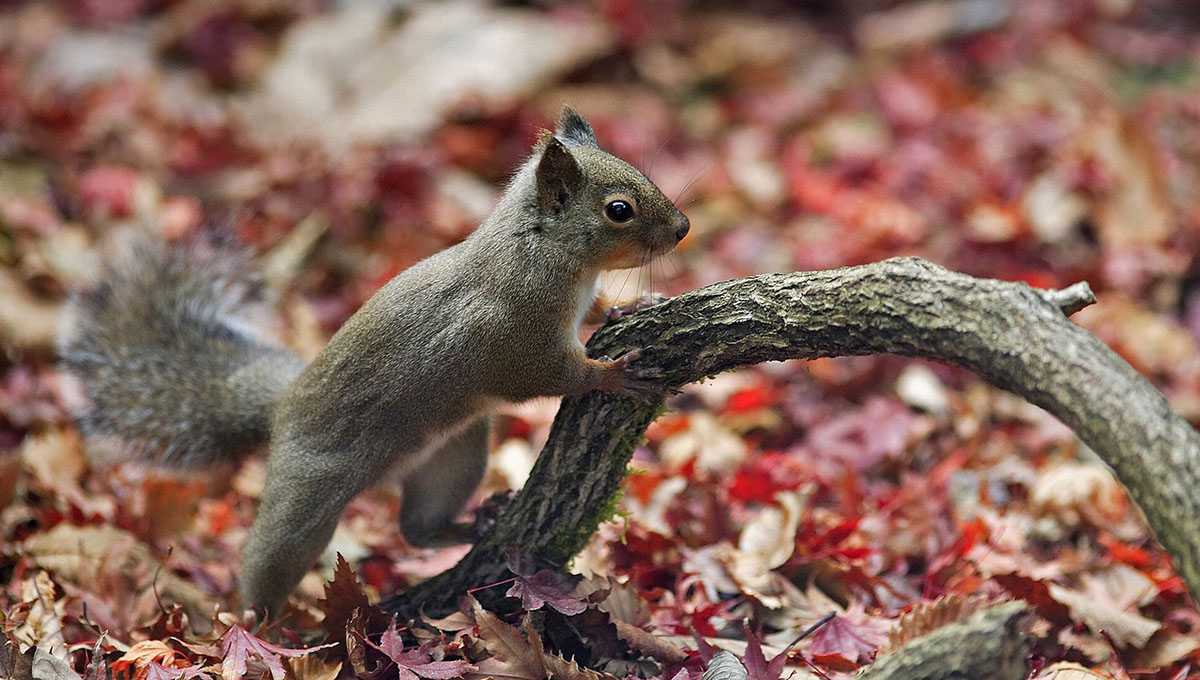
[684,226]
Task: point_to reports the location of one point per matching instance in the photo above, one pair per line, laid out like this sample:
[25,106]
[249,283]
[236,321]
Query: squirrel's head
[597,204]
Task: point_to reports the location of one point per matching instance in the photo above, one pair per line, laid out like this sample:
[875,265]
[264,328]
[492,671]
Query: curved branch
[991,644]
[1016,337]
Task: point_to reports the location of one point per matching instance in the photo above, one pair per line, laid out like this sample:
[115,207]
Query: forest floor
[1015,139]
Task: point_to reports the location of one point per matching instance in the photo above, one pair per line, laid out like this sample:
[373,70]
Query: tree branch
[989,645]
[1016,337]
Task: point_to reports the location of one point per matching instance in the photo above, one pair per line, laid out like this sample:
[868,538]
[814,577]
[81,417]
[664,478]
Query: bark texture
[1016,337]
[989,645]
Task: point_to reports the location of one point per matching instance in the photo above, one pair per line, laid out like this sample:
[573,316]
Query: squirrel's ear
[574,128]
[558,177]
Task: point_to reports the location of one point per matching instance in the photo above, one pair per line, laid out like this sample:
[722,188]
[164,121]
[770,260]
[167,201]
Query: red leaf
[751,399]
[835,662]
[418,662]
[343,596]
[757,666]
[852,635]
[547,587]
[238,644]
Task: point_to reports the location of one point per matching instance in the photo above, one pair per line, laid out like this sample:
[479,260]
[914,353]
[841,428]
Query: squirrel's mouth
[628,255]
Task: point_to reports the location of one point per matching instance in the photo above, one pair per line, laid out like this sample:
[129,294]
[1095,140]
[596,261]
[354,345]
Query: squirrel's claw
[642,383]
[488,513]
[645,301]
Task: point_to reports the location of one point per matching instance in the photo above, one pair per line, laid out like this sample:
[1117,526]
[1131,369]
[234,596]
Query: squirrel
[177,373]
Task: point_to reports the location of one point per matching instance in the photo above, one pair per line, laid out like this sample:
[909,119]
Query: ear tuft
[559,177]
[573,128]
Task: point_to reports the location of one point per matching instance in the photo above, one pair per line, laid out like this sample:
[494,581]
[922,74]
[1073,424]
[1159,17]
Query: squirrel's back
[168,348]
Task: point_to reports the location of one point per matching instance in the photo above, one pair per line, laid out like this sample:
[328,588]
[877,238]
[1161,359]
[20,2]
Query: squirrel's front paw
[622,377]
[488,513]
[644,301]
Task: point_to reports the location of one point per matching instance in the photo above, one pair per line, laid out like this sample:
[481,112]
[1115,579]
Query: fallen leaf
[418,662]
[55,456]
[1163,649]
[656,647]
[724,666]
[548,587]
[851,634]
[42,626]
[313,667]
[354,77]
[766,542]
[136,662]
[1125,628]
[713,446]
[926,617]
[344,599]
[50,666]
[238,645]
[73,553]
[1069,670]
[512,654]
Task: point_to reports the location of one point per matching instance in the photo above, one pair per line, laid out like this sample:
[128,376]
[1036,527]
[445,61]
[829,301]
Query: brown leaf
[1136,211]
[512,654]
[451,623]
[73,553]
[43,620]
[927,617]
[25,320]
[766,542]
[10,474]
[1125,628]
[1068,670]
[1164,649]
[135,662]
[343,596]
[569,670]
[313,667]
[13,663]
[172,503]
[55,456]
[653,646]
[1074,492]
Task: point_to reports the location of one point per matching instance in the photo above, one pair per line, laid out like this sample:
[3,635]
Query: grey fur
[166,346]
[406,384]
[573,128]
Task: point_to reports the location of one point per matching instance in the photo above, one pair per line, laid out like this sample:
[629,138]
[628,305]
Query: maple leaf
[517,655]
[144,656]
[238,644]
[513,654]
[418,662]
[343,596]
[548,587]
[757,666]
[156,671]
[852,635]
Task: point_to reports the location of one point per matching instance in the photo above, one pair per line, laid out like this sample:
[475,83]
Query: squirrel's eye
[619,211]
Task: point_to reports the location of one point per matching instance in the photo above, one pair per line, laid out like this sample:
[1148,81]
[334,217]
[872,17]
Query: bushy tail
[168,348]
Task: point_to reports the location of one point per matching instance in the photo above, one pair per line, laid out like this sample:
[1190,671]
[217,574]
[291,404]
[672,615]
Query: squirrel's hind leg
[300,508]
[436,491]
